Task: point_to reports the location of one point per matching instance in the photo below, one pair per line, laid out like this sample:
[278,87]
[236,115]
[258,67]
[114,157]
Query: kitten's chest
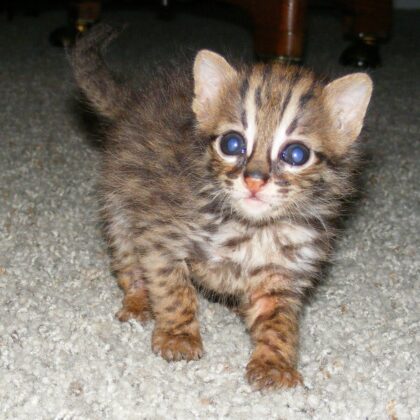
[247,247]
[235,252]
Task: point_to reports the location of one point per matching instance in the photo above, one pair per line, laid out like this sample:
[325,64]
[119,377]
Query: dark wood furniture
[280,26]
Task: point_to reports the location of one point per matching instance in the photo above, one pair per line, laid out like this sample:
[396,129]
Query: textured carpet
[62,353]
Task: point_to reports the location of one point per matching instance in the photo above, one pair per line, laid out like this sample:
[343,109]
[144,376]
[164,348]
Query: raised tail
[104,92]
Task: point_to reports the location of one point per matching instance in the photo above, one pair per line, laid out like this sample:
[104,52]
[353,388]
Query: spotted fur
[180,214]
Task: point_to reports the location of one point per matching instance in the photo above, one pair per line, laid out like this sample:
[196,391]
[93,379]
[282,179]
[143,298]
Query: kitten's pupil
[295,154]
[232,144]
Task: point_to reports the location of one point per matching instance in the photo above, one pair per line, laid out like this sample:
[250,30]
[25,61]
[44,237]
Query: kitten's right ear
[211,74]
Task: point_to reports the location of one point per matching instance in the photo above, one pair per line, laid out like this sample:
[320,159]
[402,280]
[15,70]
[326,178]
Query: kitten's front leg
[272,319]
[136,301]
[174,303]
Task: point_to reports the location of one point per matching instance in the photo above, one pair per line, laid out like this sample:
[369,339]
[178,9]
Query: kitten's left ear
[347,99]
[211,75]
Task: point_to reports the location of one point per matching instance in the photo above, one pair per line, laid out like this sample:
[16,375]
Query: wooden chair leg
[368,18]
[279,27]
[81,15]
[84,13]
[367,23]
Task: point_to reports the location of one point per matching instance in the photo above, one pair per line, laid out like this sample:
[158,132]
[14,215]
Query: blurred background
[279,27]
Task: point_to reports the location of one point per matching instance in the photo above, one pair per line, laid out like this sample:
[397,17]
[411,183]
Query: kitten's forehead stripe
[262,112]
[308,95]
[244,119]
[292,126]
[243,92]
[299,87]
[251,113]
[267,72]
[244,88]
[258,96]
[286,102]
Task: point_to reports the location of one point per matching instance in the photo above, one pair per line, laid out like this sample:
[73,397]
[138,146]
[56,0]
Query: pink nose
[254,184]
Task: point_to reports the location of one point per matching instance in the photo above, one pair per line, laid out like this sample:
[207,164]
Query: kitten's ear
[347,99]
[211,74]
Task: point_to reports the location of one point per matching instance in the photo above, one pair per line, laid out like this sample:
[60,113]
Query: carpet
[63,355]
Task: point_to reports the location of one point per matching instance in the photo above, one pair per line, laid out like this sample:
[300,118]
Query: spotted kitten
[227,178]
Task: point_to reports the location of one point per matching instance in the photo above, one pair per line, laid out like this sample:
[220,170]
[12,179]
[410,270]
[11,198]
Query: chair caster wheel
[362,53]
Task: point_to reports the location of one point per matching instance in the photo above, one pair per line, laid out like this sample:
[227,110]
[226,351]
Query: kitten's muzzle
[256,174]
[255,180]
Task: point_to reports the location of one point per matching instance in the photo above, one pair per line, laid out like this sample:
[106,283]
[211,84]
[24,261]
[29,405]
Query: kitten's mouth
[256,203]
[253,200]
[254,208]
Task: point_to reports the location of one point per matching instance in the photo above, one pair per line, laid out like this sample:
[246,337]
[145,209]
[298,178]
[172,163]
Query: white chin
[254,209]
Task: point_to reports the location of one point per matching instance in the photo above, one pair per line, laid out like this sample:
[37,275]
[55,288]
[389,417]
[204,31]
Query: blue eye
[232,144]
[295,154]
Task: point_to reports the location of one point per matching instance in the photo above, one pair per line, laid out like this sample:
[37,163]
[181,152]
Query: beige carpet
[62,353]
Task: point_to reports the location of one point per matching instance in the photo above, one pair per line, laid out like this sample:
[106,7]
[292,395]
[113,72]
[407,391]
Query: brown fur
[176,207]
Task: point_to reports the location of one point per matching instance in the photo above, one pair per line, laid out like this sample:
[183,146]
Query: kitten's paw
[141,315]
[135,306]
[177,347]
[263,374]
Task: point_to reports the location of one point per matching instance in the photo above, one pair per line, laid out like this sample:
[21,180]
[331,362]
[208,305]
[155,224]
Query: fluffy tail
[92,75]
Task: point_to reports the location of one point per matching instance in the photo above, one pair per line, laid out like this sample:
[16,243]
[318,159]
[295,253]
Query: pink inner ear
[211,72]
[208,80]
[352,97]
[348,98]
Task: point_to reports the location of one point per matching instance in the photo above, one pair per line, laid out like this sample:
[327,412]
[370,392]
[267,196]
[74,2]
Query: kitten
[227,178]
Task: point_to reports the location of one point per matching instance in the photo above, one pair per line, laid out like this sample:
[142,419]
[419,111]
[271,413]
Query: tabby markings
[289,111]
[251,129]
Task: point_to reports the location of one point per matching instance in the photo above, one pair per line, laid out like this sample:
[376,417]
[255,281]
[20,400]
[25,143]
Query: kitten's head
[280,140]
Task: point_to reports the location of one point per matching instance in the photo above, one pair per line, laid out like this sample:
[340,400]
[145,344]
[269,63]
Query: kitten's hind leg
[136,300]
[174,303]
[125,264]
